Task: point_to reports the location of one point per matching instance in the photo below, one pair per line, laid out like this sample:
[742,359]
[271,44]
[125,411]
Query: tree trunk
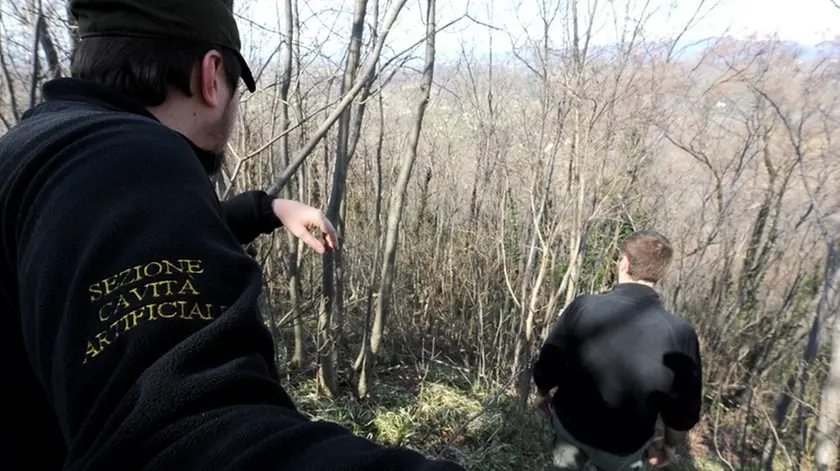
[38,30]
[398,193]
[293,247]
[829,412]
[801,375]
[332,297]
[364,348]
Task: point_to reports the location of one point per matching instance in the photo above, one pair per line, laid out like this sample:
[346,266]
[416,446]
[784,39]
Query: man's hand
[543,403]
[300,219]
[661,454]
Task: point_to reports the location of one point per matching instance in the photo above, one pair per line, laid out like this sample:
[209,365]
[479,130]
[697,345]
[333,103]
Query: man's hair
[649,254]
[145,69]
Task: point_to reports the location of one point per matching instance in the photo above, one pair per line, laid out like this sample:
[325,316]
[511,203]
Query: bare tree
[362,81]
[375,241]
[398,193]
[294,247]
[332,307]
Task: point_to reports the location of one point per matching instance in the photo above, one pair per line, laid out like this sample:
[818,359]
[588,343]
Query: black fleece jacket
[129,331]
[619,360]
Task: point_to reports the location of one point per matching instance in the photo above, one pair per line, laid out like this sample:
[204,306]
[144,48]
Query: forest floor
[443,416]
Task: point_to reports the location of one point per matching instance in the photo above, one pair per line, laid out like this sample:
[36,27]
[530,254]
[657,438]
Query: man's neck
[177,116]
[639,282]
[181,120]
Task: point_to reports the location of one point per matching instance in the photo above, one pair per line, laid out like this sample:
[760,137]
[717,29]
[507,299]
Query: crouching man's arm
[681,411]
[548,369]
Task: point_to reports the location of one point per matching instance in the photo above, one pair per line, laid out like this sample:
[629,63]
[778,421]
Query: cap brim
[247,76]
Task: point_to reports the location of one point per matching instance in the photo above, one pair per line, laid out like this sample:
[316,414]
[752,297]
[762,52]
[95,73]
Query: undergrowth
[442,421]
[481,429]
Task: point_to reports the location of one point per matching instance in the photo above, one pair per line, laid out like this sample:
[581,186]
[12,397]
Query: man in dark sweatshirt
[130,337]
[619,361]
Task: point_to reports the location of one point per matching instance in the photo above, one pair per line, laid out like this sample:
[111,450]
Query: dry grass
[447,421]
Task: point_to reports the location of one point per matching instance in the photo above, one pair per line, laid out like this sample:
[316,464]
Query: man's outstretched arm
[140,317]
[250,214]
[253,213]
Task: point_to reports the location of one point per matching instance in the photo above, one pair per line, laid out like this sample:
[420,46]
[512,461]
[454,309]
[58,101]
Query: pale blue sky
[805,21]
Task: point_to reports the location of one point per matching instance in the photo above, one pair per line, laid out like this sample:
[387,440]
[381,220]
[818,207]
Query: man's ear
[211,71]
[624,264]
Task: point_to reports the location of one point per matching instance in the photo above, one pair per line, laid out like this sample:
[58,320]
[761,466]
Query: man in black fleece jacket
[130,337]
[617,362]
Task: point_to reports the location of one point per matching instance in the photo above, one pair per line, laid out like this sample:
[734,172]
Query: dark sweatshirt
[130,331]
[619,360]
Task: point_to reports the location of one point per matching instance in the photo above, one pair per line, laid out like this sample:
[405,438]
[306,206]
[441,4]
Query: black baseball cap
[208,22]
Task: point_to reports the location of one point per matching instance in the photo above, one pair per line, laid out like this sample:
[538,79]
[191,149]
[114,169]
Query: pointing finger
[331,240]
[329,232]
[311,241]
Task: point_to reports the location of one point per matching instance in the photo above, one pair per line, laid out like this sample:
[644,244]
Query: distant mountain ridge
[685,49]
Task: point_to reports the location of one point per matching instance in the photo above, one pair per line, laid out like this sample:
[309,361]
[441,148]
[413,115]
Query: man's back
[129,310]
[23,155]
[619,360]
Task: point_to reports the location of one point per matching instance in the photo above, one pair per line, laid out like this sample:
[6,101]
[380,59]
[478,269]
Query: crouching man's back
[620,360]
